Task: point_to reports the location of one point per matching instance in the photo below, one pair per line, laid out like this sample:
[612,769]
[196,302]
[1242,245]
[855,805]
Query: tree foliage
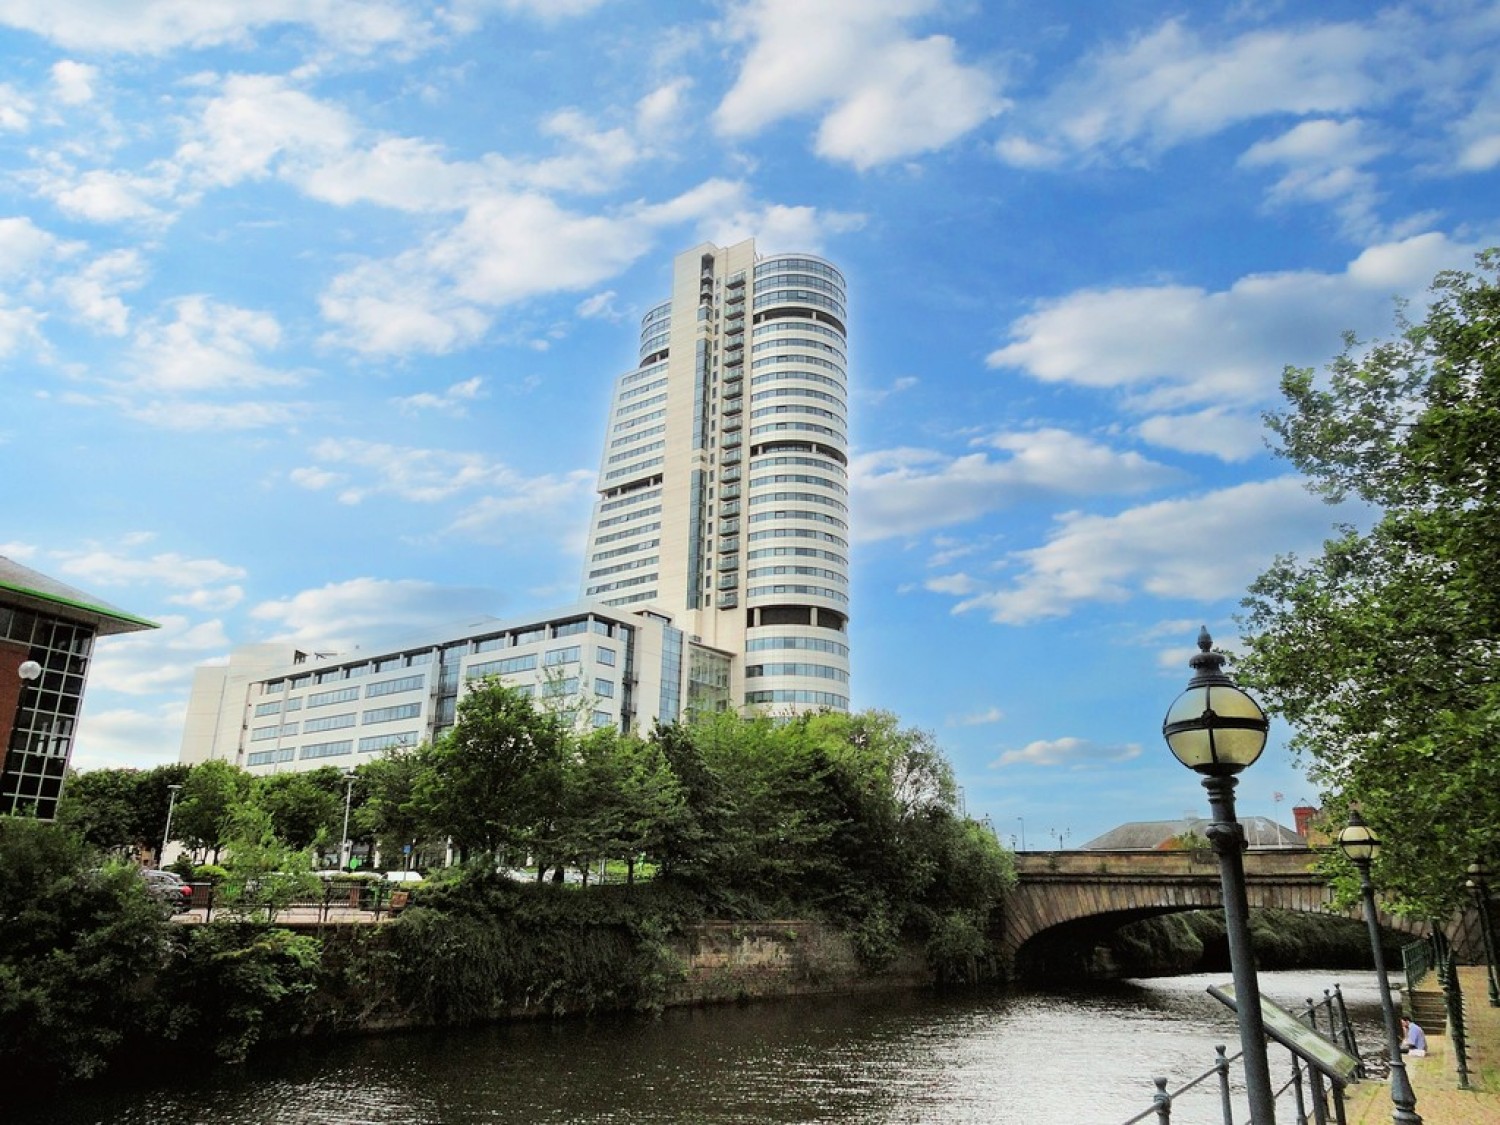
[121,811]
[1380,651]
[305,807]
[80,943]
[493,783]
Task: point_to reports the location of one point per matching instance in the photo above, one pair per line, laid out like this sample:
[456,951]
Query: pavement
[1434,1079]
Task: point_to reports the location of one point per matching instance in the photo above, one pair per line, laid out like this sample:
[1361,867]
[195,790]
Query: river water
[905,1058]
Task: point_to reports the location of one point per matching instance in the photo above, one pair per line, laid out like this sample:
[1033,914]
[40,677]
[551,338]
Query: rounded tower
[796,495]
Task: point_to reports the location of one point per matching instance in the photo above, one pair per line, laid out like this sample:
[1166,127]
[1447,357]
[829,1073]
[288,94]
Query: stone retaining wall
[731,961]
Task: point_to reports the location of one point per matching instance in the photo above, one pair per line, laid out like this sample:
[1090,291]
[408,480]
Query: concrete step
[1427,1008]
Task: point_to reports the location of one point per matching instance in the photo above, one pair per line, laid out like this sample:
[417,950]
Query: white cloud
[102,567]
[94,291]
[1075,753]
[776,227]
[210,600]
[73,82]
[257,122]
[600,306]
[661,110]
[1477,133]
[1321,162]
[955,585]
[124,738]
[159,26]
[207,346]
[25,248]
[468,12]
[1176,346]
[342,616]
[454,400]
[397,307]
[1170,86]
[158,660]
[979,718]
[103,196]
[504,501]
[877,395]
[1199,548]
[20,328]
[15,109]
[178,414]
[1225,434]
[885,93]
[905,491]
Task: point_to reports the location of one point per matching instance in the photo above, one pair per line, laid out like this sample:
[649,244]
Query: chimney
[1304,815]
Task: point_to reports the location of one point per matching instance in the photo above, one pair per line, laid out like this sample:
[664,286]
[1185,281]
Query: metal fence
[1311,1091]
[366,900]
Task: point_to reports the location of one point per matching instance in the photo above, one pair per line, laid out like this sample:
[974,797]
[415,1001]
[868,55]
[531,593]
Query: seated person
[1413,1040]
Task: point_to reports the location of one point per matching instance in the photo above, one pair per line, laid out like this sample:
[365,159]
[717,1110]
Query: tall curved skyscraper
[724,484]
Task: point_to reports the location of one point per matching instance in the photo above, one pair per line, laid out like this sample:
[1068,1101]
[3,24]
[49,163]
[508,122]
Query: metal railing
[1417,958]
[1330,1018]
[1453,998]
[1311,1090]
[367,899]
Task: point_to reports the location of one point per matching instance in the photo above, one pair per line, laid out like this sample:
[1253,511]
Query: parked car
[168,889]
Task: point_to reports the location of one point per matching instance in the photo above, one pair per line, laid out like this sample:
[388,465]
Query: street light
[345,847]
[1022,819]
[167,832]
[1361,845]
[1217,730]
[1478,884]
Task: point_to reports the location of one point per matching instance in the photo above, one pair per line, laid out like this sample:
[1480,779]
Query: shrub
[81,947]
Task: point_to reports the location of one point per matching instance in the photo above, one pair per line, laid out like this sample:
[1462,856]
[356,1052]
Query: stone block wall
[731,961]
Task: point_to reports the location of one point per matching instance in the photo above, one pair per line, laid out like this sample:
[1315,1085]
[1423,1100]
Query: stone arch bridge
[1119,887]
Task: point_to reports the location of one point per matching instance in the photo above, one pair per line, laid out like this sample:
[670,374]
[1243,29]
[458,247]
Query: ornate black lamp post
[1478,884]
[1361,845]
[1216,729]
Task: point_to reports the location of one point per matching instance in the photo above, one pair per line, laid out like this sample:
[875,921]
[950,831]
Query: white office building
[274,708]
[724,483]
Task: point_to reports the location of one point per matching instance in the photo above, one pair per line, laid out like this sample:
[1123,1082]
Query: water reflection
[1059,1057]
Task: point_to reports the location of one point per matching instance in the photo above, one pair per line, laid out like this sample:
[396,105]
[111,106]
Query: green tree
[389,812]
[305,807]
[493,783]
[120,811]
[617,795]
[264,872]
[206,807]
[1380,650]
[81,945]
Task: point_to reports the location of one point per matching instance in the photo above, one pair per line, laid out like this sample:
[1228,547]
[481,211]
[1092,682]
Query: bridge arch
[1059,888]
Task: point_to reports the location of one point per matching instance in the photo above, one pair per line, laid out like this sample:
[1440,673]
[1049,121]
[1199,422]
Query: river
[1034,1057]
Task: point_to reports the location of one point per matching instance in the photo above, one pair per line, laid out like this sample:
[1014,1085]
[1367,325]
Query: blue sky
[310,310]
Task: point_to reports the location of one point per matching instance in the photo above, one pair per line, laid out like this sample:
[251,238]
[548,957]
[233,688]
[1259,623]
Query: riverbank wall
[703,963]
[735,961]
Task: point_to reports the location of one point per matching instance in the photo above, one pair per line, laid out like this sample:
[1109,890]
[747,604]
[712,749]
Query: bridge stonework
[1055,888]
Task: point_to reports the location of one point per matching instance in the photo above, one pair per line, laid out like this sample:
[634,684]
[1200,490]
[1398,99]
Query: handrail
[1220,1067]
[1417,960]
[1318,1087]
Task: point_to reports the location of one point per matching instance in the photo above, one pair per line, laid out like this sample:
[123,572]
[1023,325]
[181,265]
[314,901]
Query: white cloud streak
[1180,346]
[1200,548]
[907,491]
[883,93]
